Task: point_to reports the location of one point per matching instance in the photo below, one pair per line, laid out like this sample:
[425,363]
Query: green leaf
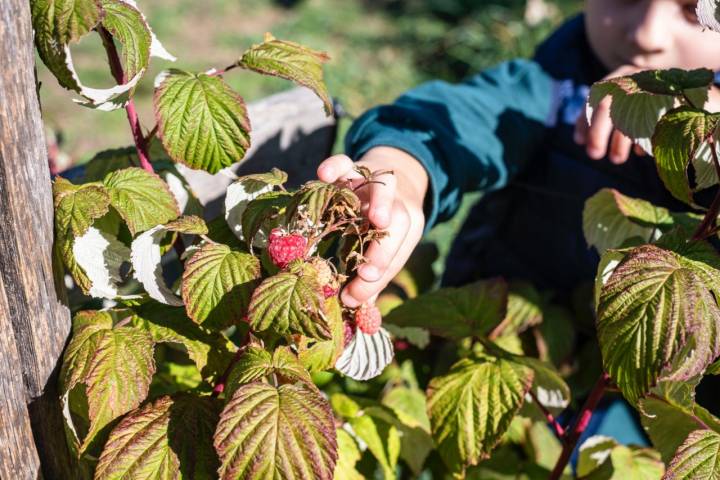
[290,302]
[697,458]
[285,432]
[471,310]
[610,219]
[673,81]
[245,189]
[257,363]
[142,198]
[654,309]
[115,365]
[189,225]
[410,406]
[619,462]
[318,355]
[523,309]
[169,438]
[66,20]
[202,121]
[472,406]
[678,136]
[593,452]
[77,206]
[382,439]
[633,111]
[549,388]
[348,456]
[291,61]
[217,284]
[211,352]
[127,25]
[262,209]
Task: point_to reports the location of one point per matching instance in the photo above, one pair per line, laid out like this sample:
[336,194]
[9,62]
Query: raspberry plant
[214,339]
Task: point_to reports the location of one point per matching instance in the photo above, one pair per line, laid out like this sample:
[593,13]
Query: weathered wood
[34,322]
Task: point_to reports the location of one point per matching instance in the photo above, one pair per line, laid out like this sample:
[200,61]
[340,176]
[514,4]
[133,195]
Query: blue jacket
[508,132]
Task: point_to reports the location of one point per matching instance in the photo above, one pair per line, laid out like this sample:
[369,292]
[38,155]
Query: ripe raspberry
[329,291]
[368,318]
[285,247]
[348,332]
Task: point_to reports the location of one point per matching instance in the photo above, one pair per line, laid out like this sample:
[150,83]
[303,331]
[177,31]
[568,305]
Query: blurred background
[378,49]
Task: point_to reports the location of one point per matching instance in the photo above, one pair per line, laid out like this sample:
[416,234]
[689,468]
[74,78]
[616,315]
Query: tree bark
[34,320]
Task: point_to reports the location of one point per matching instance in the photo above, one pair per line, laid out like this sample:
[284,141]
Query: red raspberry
[286,247]
[368,318]
[348,332]
[329,291]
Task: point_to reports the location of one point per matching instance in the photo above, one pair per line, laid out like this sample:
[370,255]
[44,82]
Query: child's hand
[600,132]
[597,135]
[394,204]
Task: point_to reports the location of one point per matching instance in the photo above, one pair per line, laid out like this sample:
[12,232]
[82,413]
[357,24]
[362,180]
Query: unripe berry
[368,318]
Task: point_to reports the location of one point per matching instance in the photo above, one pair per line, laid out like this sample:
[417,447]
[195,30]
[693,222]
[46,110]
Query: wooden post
[34,321]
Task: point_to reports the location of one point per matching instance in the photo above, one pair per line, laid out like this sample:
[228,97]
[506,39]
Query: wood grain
[34,321]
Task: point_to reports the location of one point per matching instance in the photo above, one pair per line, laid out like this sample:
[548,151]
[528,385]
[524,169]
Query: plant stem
[120,77]
[222,380]
[559,430]
[581,422]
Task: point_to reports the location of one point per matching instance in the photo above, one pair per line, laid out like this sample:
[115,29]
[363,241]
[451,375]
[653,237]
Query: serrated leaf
[655,308]
[127,25]
[366,356]
[217,284]
[169,438]
[523,309]
[633,111]
[318,355]
[677,138]
[68,20]
[257,363]
[58,23]
[471,310]
[291,424]
[290,61]
[290,302]
[259,211]
[472,406]
[708,12]
[202,122]
[146,257]
[348,456]
[593,452]
[698,458]
[610,219]
[548,386]
[237,197]
[211,352]
[76,209]
[100,256]
[142,198]
[189,225]
[115,365]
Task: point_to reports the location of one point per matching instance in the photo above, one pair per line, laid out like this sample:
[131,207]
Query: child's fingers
[382,196]
[620,147]
[337,167]
[599,131]
[376,273]
[581,128]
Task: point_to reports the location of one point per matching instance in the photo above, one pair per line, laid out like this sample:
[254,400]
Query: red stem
[559,430]
[120,78]
[581,422]
[220,383]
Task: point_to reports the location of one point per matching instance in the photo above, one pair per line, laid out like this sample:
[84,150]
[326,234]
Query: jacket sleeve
[471,136]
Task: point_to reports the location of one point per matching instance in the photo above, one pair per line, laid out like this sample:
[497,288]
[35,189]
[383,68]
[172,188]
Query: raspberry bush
[218,348]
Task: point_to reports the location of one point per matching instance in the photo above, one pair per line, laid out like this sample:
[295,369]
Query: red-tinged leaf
[286,432]
[170,438]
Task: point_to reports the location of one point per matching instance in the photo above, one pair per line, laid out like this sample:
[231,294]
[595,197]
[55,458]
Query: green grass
[378,49]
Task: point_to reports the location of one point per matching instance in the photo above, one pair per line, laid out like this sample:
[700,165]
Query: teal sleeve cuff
[367,133]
